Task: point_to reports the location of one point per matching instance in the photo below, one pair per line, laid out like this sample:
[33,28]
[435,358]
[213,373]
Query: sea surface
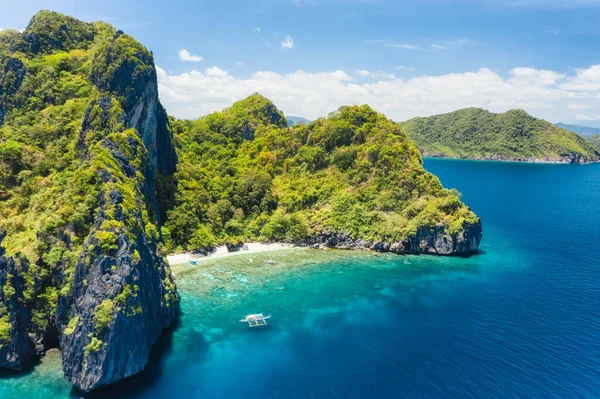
[519,320]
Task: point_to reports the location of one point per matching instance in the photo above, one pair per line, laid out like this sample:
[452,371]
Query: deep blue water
[519,320]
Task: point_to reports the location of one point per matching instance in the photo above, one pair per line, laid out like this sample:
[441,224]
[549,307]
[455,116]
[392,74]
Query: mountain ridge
[295,120]
[475,133]
[583,131]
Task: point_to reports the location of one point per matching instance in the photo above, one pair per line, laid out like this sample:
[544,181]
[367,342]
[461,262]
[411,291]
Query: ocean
[519,320]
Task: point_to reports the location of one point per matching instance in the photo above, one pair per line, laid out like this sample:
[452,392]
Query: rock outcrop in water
[82,138]
[434,241]
[122,298]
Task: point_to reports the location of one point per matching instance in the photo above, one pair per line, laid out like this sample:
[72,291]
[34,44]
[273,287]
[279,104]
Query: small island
[353,180]
[474,133]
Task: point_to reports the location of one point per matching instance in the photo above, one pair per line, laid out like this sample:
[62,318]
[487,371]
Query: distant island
[589,133]
[474,133]
[98,183]
[297,120]
[583,131]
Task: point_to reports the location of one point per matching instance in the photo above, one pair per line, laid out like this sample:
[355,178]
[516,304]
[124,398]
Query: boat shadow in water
[140,383]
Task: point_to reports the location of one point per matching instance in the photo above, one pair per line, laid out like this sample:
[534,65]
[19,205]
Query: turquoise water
[521,319]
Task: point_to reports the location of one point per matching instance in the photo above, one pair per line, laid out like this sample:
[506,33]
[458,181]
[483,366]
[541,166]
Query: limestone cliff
[82,138]
[15,346]
[123,293]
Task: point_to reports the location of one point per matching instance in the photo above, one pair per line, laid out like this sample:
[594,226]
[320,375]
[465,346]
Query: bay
[519,320]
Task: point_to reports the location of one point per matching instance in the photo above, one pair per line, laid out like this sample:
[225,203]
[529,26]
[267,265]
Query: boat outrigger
[256,320]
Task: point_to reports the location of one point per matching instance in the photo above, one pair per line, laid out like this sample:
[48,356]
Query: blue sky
[407,58]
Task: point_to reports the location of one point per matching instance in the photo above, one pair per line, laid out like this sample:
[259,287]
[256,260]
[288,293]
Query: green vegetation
[43,313]
[5,327]
[477,133]
[94,346]
[8,290]
[124,300]
[49,31]
[595,140]
[244,175]
[103,315]
[70,329]
[107,240]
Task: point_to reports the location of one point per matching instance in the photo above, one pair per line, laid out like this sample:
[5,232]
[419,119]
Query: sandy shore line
[221,252]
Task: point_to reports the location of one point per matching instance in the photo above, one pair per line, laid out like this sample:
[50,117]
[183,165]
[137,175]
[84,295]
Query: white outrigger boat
[256,320]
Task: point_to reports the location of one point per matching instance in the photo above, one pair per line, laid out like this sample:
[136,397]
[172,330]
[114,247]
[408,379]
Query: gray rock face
[139,88]
[428,240]
[121,301]
[15,345]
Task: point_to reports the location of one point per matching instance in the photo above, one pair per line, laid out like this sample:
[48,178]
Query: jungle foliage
[244,175]
[477,133]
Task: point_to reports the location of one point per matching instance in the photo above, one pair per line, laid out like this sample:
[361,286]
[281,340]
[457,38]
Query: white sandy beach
[221,252]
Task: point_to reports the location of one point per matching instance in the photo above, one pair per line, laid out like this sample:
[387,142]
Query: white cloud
[431,45]
[406,46]
[543,93]
[405,68]
[584,80]
[579,107]
[185,55]
[535,76]
[216,72]
[376,75]
[287,43]
[239,63]
[463,41]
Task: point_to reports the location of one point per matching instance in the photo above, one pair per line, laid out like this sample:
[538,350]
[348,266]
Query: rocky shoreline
[428,240]
[573,159]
